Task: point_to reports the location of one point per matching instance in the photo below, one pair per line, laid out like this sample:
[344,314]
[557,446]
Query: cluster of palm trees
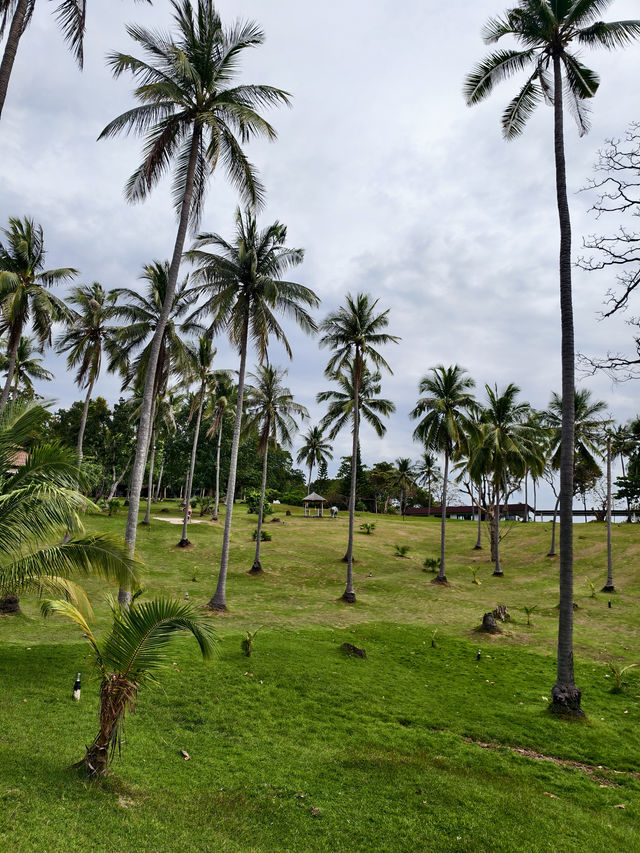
[195,116]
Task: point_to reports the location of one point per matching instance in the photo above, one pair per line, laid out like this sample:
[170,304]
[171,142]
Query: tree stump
[501,613]
[489,624]
[352,650]
[9,604]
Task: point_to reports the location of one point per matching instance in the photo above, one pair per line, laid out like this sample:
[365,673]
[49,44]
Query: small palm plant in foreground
[128,658]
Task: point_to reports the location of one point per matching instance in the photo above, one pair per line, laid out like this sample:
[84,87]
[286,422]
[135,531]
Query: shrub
[618,672]
[529,611]
[431,564]
[265,536]
[113,506]
[368,527]
[253,503]
[401,550]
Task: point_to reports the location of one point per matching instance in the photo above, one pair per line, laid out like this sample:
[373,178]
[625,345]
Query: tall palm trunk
[117,479]
[565,694]
[309,481]
[159,483]
[192,466]
[13,355]
[552,547]
[217,503]
[441,577]
[83,419]
[256,568]
[349,594]
[144,427]
[478,545]
[526,495]
[11,47]
[152,461]
[609,587]
[497,571]
[219,600]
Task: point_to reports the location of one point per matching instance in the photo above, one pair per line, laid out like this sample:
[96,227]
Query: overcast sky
[381,173]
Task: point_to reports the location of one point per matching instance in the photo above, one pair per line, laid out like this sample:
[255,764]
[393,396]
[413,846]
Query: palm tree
[193,113]
[222,399]
[24,291]
[244,292]
[505,447]
[164,419]
[141,312]
[314,450]
[546,29]
[428,474]
[202,370]
[270,414]
[446,414]
[38,501]
[404,479]
[353,333]
[622,445]
[71,17]
[27,367]
[133,651]
[88,334]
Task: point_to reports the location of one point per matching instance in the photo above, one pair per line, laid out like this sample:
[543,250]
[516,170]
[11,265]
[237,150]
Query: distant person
[334,512]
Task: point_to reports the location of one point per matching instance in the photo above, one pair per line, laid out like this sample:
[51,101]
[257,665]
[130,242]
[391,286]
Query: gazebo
[314,498]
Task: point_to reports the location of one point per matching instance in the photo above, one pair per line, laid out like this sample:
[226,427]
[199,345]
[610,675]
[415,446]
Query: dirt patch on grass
[598,772]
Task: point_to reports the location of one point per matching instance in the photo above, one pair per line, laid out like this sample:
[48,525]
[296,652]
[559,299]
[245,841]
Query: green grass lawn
[300,748]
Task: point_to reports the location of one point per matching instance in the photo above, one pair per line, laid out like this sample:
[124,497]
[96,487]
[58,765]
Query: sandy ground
[177,520]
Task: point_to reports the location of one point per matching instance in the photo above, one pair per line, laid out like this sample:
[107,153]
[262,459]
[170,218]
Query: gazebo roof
[315,497]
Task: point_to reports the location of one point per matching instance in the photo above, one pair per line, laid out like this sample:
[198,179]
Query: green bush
[264,535]
[253,503]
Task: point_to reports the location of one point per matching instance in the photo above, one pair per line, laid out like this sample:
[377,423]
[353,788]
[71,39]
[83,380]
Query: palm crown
[244,285]
[546,29]
[341,401]
[190,102]
[271,407]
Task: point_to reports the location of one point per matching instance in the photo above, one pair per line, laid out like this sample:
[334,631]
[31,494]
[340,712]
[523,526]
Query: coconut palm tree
[28,366]
[15,17]
[244,291]
[89,333]
[428,473]
[547,30]
[39,500]
[354,332]
[140,313]
[404,479]
[201,369]
[24,291]
[270,414]
[314,450]
[623,444]
[128,658]
[446,413]
[195,116]
[222,402]
[505,447]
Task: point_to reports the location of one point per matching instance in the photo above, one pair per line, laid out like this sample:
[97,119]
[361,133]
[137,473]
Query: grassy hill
[419,747]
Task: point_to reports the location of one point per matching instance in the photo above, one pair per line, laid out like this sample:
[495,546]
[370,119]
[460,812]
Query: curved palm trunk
[144,427]
[256,568]
[565,694]
[192,466]
[609,587]
[83,420]
[219,600]
[349,594]
[552,548]
[18,23]
[13,354]
[152,461]
[441,577]
[117,479]
[217,503]
[497,571]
